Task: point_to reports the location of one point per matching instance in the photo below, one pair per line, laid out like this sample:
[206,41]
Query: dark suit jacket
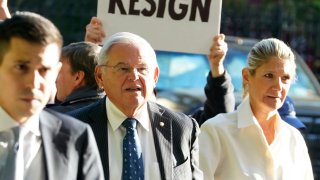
[69,146]
[176,139]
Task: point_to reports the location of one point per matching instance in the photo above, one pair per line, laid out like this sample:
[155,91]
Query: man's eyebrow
[119,63]
[22,61]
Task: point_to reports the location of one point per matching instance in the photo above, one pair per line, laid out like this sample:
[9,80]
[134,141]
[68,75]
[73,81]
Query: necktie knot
[130,123]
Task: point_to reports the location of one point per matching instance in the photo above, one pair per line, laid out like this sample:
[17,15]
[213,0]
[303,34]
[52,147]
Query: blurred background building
[294,21]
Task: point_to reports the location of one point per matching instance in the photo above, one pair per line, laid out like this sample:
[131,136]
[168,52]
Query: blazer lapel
[99,124]
[54,141]
[162,134]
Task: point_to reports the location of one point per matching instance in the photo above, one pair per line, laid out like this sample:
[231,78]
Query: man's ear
[156,75]
[80,78]
[98,76]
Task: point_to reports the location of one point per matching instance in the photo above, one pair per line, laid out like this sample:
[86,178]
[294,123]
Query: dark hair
[29,26]
[82,56]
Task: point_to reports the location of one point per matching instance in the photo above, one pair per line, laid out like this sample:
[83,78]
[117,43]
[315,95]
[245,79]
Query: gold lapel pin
[161,124]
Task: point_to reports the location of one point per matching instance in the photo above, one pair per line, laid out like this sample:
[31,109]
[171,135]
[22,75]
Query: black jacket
[79,98]
[220,98]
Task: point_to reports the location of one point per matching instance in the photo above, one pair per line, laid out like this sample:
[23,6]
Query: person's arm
[219,88]
[94,31]
[4,10]
[211,151]
[218,51]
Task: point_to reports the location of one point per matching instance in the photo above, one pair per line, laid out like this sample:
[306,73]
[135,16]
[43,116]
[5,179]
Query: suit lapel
[99,124]
[55,140]
[162,134]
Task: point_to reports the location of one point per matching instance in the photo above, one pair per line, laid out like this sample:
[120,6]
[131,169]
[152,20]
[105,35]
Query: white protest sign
[168,25]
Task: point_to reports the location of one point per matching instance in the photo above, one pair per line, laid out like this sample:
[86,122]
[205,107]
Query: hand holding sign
[94,31]
[218,51]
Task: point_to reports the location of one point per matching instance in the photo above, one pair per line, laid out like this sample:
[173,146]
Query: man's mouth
[133,89]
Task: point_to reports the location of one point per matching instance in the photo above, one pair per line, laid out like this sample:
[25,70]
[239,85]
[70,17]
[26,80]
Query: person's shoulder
[221,120]
[291,131]
[164,111]
[86,110]
[66,120]
[178,119]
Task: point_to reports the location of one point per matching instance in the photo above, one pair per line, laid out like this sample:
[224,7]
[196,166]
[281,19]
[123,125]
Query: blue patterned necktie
[132,155]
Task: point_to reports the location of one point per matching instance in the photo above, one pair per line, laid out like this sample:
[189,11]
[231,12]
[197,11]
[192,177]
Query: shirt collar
[246,117]
[32,124]
[6,121]
[116,117]
[245,114]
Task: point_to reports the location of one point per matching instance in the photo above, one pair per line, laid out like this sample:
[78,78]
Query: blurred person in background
[253,142]
[288,114]
[76,84]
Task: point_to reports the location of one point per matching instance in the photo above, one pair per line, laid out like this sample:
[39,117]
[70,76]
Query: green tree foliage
[70,16]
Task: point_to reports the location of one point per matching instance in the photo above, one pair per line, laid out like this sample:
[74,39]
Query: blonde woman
[253,142]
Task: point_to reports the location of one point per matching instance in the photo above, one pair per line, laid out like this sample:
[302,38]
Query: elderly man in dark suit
[167,141]
[36,143]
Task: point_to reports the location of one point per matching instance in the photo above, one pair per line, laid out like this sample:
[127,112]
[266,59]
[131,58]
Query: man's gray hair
[125,38]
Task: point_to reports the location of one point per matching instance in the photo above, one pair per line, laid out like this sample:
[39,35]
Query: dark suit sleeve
[91,162]
[220,98]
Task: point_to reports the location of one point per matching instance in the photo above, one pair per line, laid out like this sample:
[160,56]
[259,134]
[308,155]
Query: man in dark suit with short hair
[37,143]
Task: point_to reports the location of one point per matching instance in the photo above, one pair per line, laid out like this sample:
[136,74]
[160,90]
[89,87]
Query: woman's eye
[286,78]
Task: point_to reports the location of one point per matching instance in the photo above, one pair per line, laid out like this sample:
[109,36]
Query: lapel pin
[161,124]
[4,144]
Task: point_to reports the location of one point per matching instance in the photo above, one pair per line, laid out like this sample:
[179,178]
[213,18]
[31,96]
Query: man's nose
[35,79]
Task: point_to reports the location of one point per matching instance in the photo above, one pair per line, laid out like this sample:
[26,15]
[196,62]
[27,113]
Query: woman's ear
[245,75]
[245,82]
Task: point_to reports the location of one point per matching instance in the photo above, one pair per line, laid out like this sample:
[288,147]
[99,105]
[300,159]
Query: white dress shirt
[116,134]
[233,146]
[29,140]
